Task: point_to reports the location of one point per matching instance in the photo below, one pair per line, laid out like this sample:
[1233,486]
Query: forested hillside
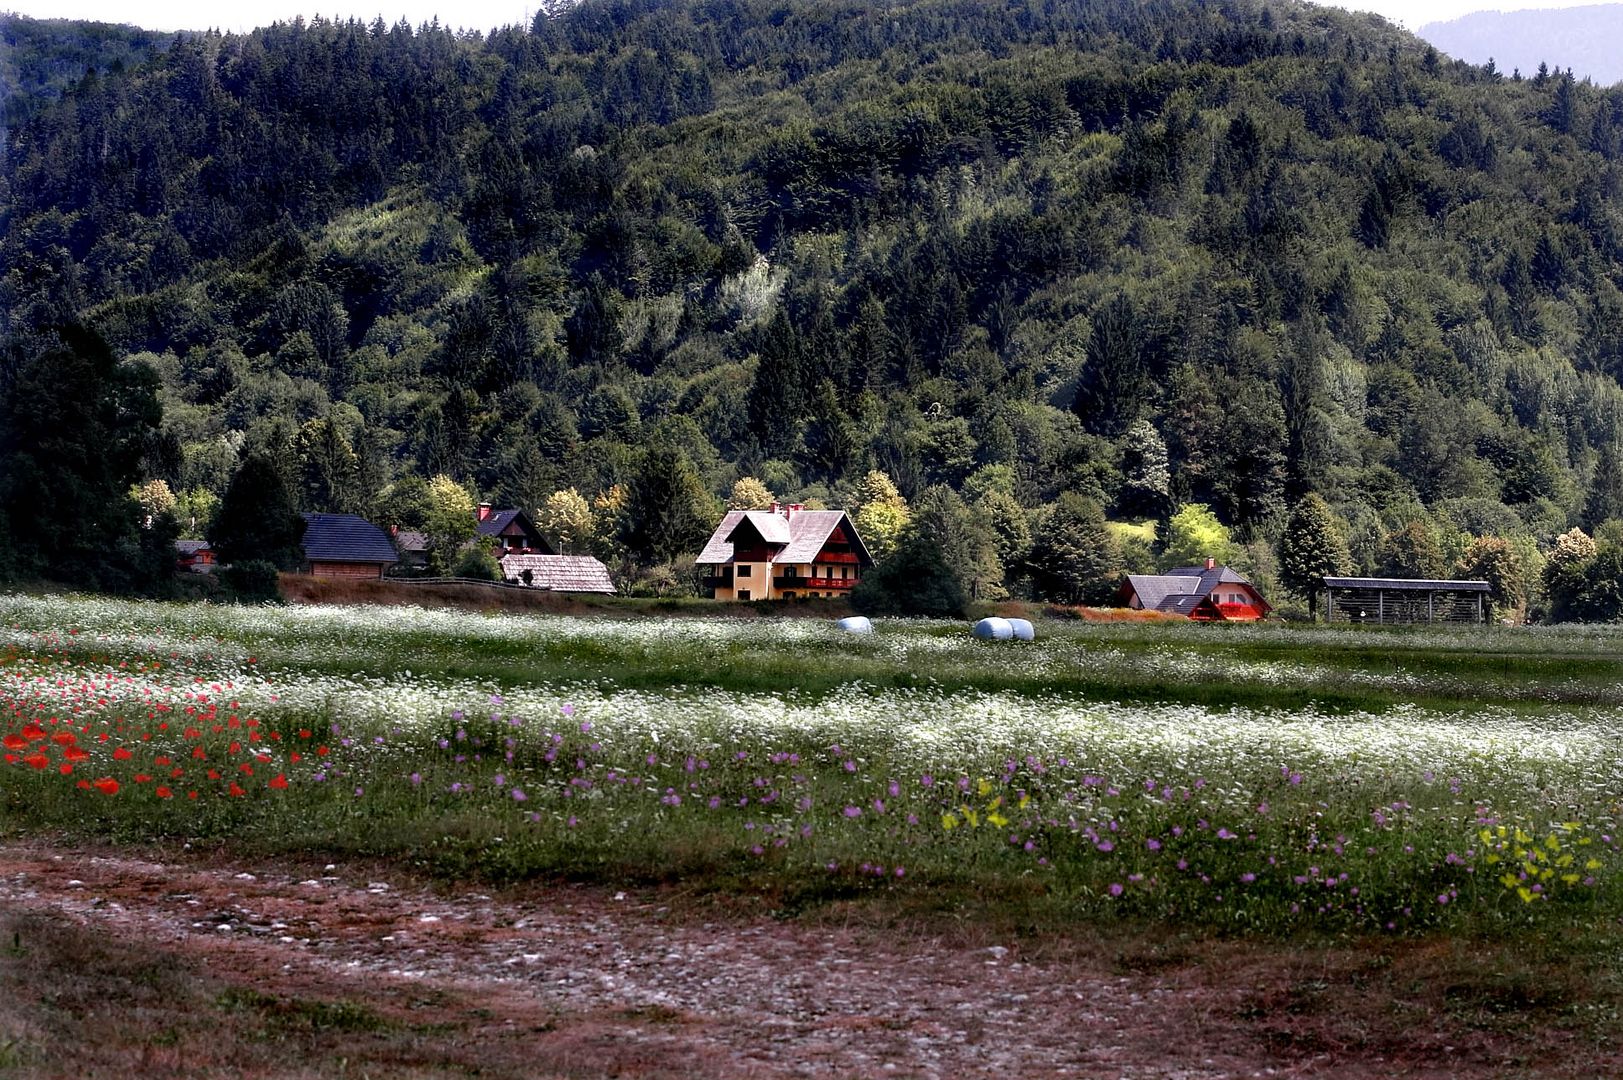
[1150,257]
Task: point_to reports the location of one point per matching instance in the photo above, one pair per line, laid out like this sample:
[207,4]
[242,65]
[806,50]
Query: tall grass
[1258,781]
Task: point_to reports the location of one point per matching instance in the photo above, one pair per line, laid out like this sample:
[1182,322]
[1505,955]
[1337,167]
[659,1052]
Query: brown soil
[122,966]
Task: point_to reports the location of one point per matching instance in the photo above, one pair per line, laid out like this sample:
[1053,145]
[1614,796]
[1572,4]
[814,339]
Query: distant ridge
[1584,39]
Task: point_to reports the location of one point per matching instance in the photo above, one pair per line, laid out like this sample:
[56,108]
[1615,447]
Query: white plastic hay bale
[994,629]
[856,624]
[1023,630]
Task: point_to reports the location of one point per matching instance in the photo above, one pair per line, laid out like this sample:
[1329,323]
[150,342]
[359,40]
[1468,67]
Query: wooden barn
[1402,600]
[345,546]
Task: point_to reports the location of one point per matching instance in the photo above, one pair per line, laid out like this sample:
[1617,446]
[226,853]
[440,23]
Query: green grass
[1247,779]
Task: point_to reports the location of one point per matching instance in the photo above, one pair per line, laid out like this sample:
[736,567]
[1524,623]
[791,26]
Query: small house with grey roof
[785,552]
[346,546]
[1209,593]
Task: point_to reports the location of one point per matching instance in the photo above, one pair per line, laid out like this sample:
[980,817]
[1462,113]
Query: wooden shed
[345,546]
[1403,600]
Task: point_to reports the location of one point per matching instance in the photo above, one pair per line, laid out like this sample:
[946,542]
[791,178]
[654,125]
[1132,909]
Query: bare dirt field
[177,965]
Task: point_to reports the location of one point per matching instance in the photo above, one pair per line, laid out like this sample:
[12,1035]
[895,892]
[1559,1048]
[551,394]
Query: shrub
[253,581]
[478,564]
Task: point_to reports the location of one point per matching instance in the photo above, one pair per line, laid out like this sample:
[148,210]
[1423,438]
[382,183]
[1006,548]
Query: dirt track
[585,982]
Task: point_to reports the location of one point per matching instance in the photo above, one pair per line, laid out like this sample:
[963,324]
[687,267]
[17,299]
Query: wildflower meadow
[1248,779]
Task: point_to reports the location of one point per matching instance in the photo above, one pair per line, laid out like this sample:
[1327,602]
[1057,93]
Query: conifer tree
[1074,557]
[1311,549]
[256,519]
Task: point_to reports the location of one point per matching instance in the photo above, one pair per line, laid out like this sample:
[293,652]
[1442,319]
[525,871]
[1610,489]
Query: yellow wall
[760,585]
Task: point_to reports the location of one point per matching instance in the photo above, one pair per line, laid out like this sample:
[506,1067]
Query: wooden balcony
[782,583]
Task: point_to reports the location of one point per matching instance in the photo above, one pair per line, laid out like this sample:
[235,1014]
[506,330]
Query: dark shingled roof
[496,522]
[1180,604]
[501,519]
[1405,584]
[346,538]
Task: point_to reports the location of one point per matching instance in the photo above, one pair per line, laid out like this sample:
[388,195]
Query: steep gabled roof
[774,528]
[811,529]
[1154,590]
[802,534]
[559,573]
[346,538]
[1181,589]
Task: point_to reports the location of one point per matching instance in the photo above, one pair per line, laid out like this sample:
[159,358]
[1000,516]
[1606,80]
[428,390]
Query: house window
[744,571]
[743,594]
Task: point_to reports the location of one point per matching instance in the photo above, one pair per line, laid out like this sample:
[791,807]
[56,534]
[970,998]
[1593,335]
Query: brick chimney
[484,511]
[773,509]
[1211,563]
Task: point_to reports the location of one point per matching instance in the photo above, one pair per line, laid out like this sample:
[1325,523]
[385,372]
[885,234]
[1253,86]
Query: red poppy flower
[106,785]
[279,782]
[164,792]
[76,753]
[122,754]
[65,769]
[234,790]
[36,761]
[14,742]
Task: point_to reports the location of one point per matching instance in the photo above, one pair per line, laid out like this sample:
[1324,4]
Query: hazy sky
[483,14]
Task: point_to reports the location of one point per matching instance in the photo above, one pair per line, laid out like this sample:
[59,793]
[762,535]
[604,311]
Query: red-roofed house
[784,553]
[1209,593]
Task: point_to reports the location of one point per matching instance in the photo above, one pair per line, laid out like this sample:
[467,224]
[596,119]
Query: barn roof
[1405,584]
[346,538]
[559,573]
[191,547]
[802,534]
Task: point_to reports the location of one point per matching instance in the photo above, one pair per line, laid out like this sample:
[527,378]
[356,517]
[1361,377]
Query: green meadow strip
[789,758]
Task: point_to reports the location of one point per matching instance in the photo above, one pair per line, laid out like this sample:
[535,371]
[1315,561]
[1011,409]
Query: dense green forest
[1040,263]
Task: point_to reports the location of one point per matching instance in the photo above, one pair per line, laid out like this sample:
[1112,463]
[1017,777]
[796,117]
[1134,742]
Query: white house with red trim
[1209,593]
[785,552]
